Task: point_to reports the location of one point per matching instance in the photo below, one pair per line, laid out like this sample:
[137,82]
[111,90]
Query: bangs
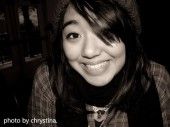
[104,17]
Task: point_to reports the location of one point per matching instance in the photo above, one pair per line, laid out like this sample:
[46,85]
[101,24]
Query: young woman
[100,76]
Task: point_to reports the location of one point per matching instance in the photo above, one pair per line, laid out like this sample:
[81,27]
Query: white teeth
[96,66]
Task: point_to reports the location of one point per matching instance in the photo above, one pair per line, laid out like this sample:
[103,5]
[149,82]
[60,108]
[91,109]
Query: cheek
[117,50]
[71,51]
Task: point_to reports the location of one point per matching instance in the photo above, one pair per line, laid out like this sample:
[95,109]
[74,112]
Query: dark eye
[72,36]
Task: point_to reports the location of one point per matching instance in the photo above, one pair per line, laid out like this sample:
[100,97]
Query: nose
[91,46]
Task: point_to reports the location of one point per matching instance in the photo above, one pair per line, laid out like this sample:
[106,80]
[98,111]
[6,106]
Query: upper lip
[93,62]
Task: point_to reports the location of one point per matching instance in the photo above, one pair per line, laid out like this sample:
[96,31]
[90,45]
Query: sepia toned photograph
[84,63]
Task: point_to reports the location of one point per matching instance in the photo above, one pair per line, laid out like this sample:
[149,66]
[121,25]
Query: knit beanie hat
[130,6]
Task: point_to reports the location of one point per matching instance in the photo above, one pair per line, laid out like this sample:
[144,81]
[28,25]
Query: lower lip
[96,69]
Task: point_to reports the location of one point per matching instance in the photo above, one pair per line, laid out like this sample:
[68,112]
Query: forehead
[71,14]
[72,18]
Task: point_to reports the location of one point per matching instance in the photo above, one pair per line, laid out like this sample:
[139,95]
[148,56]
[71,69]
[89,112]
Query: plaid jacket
[42,109]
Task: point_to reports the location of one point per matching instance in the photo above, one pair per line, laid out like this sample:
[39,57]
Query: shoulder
[161,77]
[159,73]
[42,100]
[42,70]
[42,74]
[157,69]
[43,83]
[162,81]
[41,78]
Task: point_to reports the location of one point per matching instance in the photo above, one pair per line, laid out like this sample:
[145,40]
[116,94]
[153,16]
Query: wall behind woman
[156,24]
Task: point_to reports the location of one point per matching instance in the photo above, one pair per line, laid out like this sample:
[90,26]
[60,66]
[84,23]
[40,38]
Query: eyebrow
[69,22]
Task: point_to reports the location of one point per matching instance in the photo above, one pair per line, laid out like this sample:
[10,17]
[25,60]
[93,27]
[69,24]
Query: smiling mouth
[96,68]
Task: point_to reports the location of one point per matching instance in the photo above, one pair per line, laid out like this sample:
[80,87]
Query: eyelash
[72,35]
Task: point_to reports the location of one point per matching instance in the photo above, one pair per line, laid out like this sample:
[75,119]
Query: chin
[99,82]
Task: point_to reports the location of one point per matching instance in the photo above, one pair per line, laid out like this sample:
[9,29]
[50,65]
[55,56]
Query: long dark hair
[134,78]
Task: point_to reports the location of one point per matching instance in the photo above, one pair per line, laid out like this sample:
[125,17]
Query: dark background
[156,27]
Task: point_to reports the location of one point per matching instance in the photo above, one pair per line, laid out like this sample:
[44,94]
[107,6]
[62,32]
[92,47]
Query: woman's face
[87,54]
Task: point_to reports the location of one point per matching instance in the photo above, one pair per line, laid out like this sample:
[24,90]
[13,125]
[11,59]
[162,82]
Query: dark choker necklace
[98,96]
